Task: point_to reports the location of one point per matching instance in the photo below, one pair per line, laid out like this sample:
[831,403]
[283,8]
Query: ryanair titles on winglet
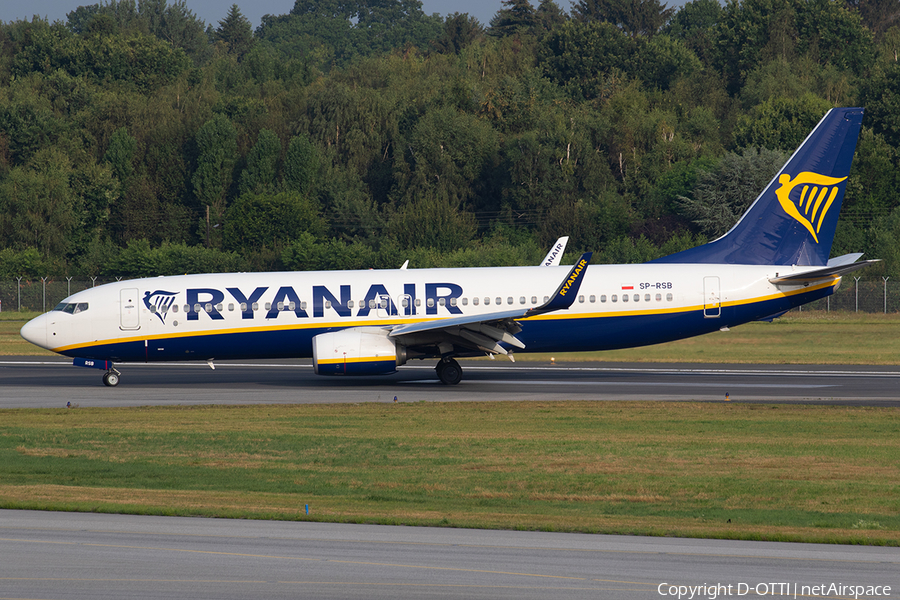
[576,273]
[286,299]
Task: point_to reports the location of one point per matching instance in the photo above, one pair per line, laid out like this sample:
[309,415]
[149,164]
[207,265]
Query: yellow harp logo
[811,204]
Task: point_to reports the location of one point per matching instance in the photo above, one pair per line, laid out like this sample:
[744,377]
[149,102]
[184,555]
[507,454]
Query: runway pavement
[33,382]
[70,556]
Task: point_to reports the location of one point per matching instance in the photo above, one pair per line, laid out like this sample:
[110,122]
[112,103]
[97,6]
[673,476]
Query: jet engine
[357,351]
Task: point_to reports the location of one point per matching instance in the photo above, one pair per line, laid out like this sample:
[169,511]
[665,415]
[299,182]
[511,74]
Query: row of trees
[137,140]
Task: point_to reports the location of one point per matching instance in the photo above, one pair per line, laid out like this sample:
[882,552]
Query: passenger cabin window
[581,299]
[615,298]
[669,297]
[602,298]
[659,297]
[624,297]
[474,301]
[592,299]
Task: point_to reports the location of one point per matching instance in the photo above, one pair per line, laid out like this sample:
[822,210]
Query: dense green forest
[136,139]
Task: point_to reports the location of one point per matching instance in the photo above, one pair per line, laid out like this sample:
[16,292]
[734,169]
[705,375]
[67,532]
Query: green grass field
[800,473]
[826,474]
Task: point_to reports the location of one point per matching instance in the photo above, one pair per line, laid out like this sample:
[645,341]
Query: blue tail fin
[793,220]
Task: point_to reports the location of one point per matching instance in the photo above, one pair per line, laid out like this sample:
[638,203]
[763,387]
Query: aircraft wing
[485,332]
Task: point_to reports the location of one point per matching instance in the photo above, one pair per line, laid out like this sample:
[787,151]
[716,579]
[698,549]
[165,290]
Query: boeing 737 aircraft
[371,322]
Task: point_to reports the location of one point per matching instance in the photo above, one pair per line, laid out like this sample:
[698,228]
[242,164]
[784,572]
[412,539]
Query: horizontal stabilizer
[823,273]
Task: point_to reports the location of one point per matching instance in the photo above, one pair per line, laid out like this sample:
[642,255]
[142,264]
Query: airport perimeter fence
[43,293]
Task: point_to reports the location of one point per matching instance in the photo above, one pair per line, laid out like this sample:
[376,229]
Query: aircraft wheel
[449,372]
[111,379]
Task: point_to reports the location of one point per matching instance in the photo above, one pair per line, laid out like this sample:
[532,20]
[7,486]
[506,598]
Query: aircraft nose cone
[35,331]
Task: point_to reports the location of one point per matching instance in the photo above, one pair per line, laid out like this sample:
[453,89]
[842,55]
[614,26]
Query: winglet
[567,291]
[556,252]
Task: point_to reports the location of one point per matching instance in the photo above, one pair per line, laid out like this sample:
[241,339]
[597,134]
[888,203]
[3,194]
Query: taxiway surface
[70,556]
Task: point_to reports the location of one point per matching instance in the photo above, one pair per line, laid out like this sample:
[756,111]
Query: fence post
[68,286]
[19,292]
[93,281]
[828,304]
[857,293]
[44,292]
[885,293]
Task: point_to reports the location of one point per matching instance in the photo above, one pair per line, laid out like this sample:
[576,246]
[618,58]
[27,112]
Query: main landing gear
[111,378]
[449,371]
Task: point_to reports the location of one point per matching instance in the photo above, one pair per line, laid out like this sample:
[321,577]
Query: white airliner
[370,322]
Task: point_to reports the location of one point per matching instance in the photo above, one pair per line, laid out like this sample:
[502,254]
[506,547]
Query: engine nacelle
[357,351]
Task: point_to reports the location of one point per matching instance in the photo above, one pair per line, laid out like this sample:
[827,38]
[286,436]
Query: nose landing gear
[111,378]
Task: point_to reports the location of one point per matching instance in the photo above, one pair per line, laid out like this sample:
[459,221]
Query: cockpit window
[73,308]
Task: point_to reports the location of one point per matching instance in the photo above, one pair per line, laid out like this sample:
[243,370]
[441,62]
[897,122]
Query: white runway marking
[638,384]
